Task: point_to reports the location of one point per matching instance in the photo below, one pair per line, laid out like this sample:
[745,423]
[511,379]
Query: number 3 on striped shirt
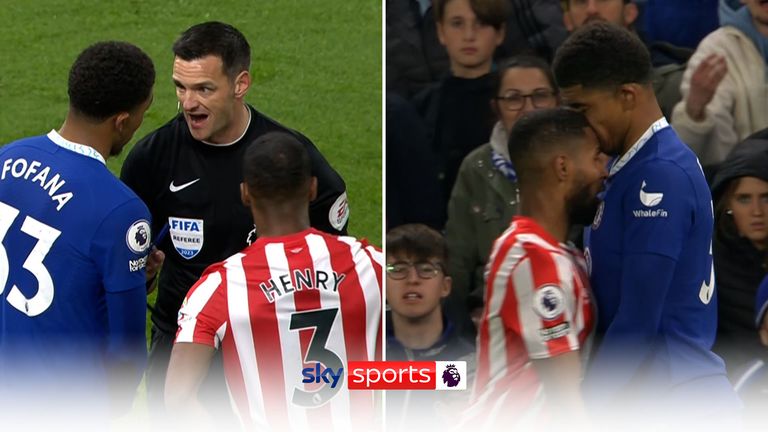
[322,321]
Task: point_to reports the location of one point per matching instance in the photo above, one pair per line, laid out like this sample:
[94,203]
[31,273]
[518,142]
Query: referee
[189,170]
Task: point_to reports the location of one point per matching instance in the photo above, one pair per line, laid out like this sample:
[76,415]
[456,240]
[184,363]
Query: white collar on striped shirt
[655,127]
[75,147]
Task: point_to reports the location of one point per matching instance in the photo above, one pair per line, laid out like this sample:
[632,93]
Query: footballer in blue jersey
[650,245]
[74,245]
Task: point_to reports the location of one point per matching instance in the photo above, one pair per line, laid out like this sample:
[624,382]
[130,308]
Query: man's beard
[582,206]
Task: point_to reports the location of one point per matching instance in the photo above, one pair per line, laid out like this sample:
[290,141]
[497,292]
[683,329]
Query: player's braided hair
[108,78]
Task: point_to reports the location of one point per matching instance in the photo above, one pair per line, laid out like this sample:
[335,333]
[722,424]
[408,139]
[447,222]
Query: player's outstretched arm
[188,367]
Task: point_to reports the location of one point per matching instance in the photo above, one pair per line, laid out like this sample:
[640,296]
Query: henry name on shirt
[305,280]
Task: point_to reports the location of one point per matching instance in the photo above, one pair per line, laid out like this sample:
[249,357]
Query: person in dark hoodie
[740,250]
[417,328]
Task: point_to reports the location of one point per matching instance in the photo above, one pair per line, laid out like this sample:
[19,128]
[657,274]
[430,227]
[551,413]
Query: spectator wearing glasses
[417,329]
[484,198]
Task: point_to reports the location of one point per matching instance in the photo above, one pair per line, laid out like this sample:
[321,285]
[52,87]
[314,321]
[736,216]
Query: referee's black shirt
[196,185]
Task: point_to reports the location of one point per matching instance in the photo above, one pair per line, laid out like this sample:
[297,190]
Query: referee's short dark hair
[602,55]
[108,78]
[217,39]
[536,134]
[276,167]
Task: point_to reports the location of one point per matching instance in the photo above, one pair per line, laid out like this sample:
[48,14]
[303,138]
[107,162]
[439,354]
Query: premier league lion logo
[451,376]
[550,301]
[137,237]
[141,236]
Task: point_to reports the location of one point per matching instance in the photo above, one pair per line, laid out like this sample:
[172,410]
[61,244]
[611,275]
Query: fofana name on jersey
[21,168]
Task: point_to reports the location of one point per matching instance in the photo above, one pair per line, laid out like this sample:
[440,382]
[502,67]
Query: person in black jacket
[188,172]
[416,59]
[456,113]
[740,249]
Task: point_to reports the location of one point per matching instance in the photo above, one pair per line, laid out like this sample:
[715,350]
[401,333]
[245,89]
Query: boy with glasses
[417,329]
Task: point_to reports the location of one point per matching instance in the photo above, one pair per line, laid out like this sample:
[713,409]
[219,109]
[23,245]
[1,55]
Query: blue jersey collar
[637,146]
[75,147]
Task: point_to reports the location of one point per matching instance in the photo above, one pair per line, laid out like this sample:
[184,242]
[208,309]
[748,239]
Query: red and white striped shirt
[537,306]
[279,308]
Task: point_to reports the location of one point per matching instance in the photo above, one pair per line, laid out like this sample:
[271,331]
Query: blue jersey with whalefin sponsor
[649,250]
[73,247]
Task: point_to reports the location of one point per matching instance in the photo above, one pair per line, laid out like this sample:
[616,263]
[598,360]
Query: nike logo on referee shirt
[174,188]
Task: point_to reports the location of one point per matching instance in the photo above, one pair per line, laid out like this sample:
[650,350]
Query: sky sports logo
[392,375]
[407,375]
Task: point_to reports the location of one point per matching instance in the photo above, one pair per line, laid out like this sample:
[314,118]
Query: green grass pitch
[316,67]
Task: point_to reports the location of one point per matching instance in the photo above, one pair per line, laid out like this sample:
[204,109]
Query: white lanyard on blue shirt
[636,147]
[75,147]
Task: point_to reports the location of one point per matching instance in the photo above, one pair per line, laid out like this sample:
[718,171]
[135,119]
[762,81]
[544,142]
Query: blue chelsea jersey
[71,235]
[650,254]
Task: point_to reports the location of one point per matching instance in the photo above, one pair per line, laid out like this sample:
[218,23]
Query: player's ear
[121,120]
[561,166]
[313,188]
[245,197]
[628,96]
[242,84]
